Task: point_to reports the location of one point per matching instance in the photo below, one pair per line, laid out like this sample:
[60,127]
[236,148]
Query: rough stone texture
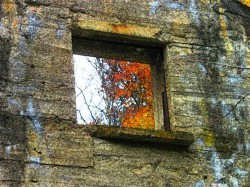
[207,61]
[60,145]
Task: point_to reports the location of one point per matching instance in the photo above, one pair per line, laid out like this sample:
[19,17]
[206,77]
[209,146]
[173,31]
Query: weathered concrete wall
[207,62]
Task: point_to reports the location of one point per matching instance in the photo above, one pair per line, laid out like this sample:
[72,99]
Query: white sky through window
[88,101]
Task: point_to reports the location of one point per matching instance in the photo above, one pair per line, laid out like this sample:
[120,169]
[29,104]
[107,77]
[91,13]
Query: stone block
[60,145]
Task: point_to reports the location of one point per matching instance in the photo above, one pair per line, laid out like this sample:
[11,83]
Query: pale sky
[87,79]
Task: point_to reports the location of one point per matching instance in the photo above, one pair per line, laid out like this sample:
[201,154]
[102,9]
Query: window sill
[141,135]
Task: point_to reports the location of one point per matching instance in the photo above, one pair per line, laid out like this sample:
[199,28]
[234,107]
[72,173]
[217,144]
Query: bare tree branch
[82,116]
[88,105]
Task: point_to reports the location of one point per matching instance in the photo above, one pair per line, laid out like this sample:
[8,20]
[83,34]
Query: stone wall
[207,61]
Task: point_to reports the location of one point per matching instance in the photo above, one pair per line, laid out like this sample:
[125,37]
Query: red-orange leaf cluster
[129,85]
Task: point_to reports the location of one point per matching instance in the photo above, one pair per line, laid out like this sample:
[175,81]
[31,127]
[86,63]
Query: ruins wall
[207,65]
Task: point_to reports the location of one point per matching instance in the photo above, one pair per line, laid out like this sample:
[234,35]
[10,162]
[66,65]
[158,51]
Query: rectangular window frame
[124,49]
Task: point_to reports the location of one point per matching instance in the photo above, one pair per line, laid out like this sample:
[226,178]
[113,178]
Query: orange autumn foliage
[142,117]
[131,85]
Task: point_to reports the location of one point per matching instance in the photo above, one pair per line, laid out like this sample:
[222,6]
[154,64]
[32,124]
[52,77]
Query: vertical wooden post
[165,110]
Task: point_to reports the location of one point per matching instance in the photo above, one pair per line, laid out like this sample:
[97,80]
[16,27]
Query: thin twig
[88,106]
[82,117]
[221,118]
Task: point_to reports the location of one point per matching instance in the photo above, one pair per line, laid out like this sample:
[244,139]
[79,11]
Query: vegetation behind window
[113,92]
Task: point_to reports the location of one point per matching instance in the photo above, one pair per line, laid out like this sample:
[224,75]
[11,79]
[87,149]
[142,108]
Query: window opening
[113,92]
[120,84]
